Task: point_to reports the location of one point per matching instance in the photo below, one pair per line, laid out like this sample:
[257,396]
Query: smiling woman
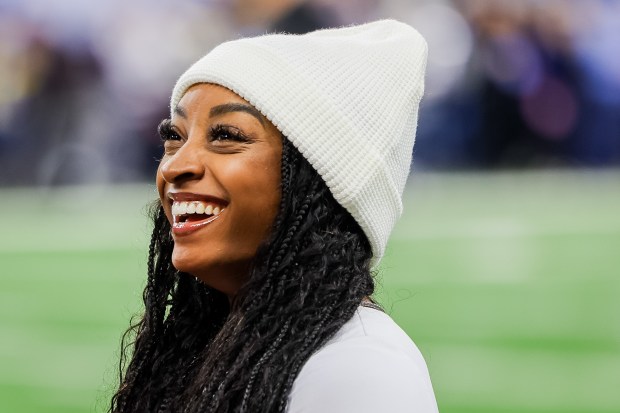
[221,172]
[285,159]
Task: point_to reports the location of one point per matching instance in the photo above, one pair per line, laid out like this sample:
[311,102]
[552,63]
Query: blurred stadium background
[505,268]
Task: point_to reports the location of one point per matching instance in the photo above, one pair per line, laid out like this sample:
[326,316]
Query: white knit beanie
[348,100]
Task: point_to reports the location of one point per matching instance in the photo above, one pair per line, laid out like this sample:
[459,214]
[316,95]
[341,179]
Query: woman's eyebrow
[178,110]
[236,107]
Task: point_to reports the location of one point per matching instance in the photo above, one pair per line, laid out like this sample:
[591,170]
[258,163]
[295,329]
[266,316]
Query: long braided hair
[193,351]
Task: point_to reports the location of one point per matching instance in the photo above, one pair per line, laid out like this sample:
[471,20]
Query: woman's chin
[226,277]
[185,261]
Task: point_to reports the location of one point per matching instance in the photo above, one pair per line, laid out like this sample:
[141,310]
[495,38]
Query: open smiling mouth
[190,216]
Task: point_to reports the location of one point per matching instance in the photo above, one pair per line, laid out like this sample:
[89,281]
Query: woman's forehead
[208,99]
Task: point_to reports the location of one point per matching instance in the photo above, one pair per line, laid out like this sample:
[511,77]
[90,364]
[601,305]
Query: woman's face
[219,184]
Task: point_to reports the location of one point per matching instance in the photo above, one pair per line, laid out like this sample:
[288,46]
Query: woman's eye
[166,132]
[227,133]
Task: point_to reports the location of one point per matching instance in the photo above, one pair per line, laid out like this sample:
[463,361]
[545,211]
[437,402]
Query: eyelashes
[166,132]
[217,133]
[227,133]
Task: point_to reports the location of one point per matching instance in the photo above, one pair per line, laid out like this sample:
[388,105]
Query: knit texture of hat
[348,100]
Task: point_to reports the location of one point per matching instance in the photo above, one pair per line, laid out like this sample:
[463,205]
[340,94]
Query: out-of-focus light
[145,48]
[63,22]
[24,59]
[551,110]
[513,63]
[596,50]
[450,43]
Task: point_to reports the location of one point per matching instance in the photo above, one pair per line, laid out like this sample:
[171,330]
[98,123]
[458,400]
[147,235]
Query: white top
[370,365]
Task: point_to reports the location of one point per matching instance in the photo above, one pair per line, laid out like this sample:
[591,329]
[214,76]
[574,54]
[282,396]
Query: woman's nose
[185,165]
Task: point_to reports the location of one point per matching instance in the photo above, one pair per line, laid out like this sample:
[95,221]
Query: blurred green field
[508,283]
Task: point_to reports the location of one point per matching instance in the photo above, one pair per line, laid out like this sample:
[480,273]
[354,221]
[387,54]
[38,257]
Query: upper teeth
[195,207]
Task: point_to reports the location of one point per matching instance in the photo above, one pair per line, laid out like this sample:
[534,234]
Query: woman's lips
[191,196]
[187,227]
[191,212]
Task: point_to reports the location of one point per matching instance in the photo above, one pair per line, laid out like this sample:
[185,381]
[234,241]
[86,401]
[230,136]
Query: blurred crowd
[510,84]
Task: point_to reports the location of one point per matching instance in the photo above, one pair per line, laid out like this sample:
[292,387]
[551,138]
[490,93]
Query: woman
[284,163]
